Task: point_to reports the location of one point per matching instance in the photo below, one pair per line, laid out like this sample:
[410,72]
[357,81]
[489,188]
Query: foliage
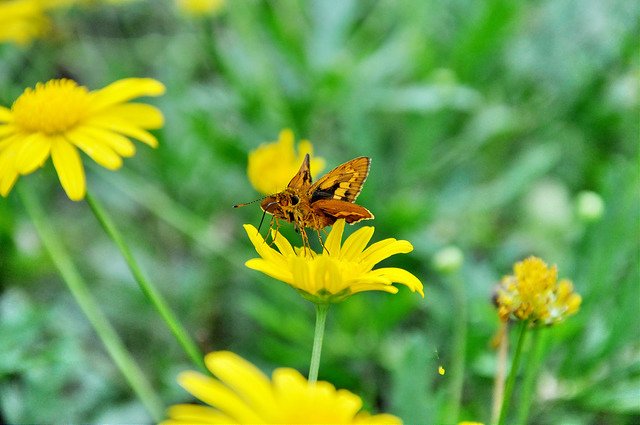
[484,120]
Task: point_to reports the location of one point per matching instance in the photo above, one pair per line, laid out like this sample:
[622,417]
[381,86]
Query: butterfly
[318,205]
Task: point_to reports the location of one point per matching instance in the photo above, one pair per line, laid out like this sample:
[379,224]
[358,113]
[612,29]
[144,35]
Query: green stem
[78,287]
[531,371]
[150,291]
[458,348]
[508,392]
[321,318]
[501,367]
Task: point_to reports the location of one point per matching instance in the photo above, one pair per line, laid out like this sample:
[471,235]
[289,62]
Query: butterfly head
[284,200]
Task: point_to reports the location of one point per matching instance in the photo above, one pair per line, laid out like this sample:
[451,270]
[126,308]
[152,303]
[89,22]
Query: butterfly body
[318,205]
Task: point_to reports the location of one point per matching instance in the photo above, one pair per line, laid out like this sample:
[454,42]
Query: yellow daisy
[242,394]
[272,165]
[58,117]
[337,272]
[534,293]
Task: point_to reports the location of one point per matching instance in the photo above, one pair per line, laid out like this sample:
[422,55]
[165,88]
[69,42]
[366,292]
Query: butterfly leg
[305,241]
[274,223]
[324,248]
[318,225]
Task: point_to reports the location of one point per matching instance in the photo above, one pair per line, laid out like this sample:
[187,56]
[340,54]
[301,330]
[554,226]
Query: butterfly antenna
[248,203]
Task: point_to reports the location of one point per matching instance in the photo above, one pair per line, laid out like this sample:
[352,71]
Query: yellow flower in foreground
[337,272]
[534,293]
[242,394]
[272,165]
[58,117]
[200,7]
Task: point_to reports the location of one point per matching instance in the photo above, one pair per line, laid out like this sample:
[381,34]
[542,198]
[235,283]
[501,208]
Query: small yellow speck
[441,370]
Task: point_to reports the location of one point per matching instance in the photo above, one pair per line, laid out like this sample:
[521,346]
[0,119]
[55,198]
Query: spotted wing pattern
[343,183]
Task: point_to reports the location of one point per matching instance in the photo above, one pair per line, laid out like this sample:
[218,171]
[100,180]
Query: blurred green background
[485,120]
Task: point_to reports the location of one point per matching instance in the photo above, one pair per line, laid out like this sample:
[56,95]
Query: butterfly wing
[334,209]
[302,179]
[343,183]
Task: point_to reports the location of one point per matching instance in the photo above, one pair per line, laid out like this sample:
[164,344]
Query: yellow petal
[301,276]
[119,143]
[373,287]
[285,378]
[9,138]
[283,245]
[124,127]
[401,276]
[139,114]
[285,141]
[371,277]
[6,130]
[318,403]
[99,152]
[573,303]
[384,249]
[304,147]
[8,172]
[124,90]
[195,414]
[66,160]
[355,244]
[323,273]
[262,247]
[268,268]
[5,114]
[35,151]
[245,379]
[335,238]
[219,396]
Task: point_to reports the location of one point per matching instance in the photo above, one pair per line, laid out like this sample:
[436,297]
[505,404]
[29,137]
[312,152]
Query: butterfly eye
[294,200]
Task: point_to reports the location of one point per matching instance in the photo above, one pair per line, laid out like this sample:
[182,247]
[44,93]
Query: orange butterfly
[320,204]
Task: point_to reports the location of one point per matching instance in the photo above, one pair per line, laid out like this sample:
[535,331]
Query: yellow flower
[21,21]
[470,423]
[242,394]
[534,293]
[564,302]
[200,7]
[58,117]
[337,272]
[272,165]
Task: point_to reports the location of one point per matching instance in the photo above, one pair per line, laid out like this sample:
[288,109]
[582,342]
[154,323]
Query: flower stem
[532,368]
[150,291]
[78,288]
[458,348]
[502,341]
[321,318]
[508,391]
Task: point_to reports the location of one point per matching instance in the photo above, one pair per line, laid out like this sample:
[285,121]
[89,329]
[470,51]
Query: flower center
[52,108]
